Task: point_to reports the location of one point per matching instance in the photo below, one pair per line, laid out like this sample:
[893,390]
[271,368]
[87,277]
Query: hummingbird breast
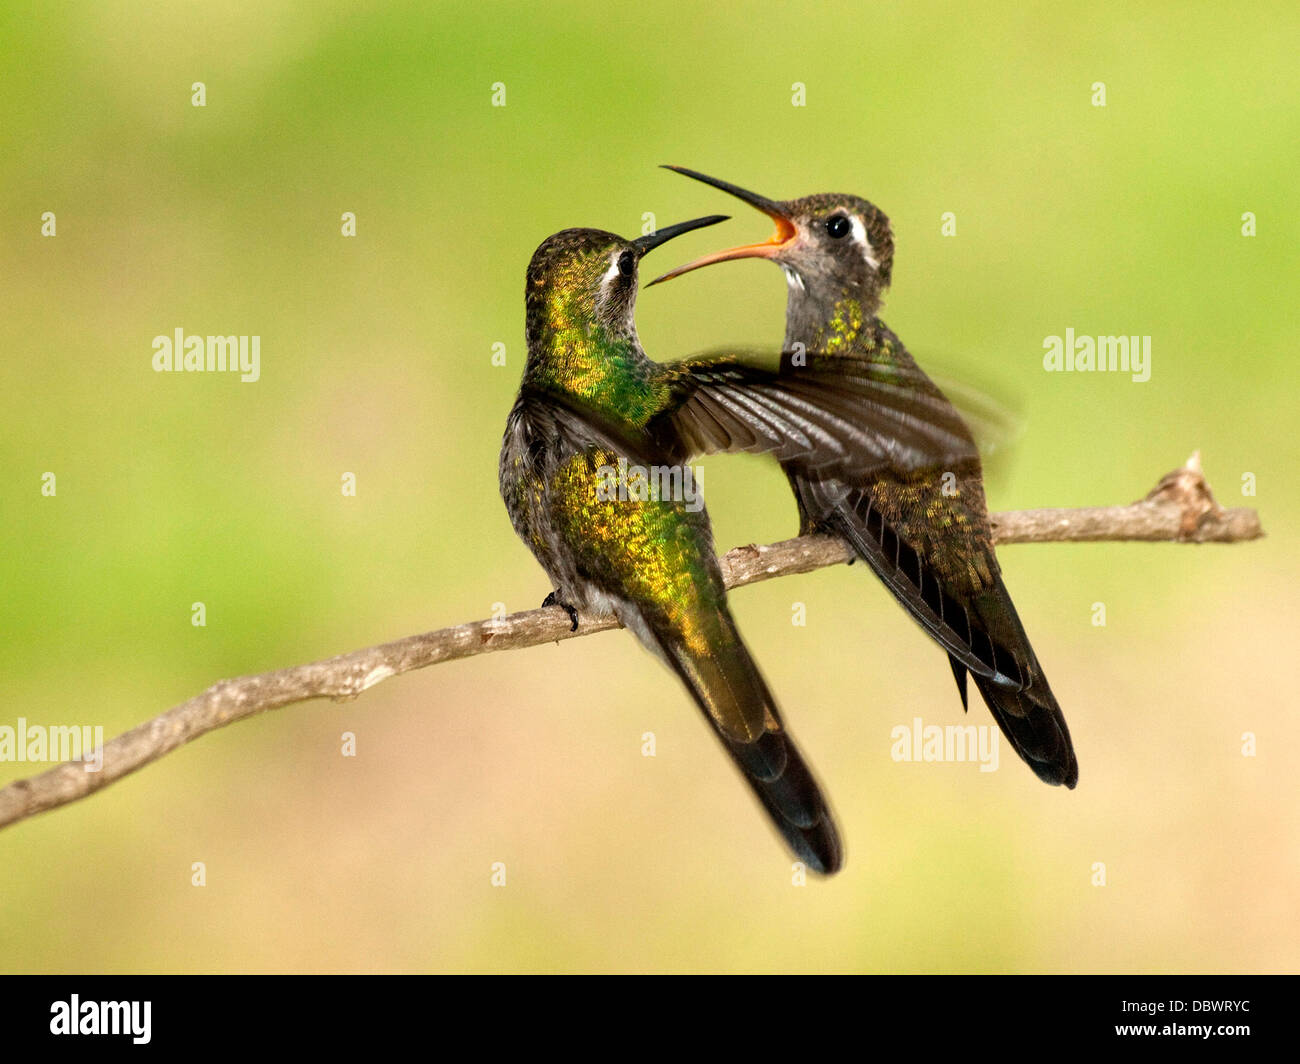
[610,538]
[531,455]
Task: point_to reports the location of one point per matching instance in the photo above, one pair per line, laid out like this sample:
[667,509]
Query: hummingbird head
[588,277]
[826,244]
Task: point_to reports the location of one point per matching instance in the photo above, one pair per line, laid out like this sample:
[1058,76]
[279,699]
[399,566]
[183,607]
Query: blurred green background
[377,359]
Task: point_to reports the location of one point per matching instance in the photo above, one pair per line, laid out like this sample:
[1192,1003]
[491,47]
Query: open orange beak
[786,233]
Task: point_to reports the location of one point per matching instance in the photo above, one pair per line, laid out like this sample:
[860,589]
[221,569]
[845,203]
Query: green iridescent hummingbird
[924,532]
[593,405]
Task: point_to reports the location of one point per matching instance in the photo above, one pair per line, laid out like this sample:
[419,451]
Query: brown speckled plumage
[925,533]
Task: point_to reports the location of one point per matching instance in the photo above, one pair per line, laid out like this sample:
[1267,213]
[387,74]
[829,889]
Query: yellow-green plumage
[654,552]
[649,561]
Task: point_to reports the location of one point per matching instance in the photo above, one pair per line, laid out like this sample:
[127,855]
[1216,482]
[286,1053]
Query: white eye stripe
[860,237]
[612,273]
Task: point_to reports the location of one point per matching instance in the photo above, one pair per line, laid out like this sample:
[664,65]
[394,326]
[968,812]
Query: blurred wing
[841,417]
[996,420]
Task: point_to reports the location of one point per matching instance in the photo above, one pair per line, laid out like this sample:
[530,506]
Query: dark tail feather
[959,674]
[1029,717]
[729,689]
[792,799]
[1032,722]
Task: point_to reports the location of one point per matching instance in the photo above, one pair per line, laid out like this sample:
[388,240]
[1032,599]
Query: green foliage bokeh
[377,360]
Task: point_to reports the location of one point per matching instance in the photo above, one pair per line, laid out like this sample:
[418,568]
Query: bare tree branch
[1180,509]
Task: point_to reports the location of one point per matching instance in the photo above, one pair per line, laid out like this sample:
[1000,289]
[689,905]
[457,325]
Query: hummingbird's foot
[554,600]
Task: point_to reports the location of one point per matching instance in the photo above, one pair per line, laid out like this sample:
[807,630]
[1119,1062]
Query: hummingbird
[925,532]
[591,404]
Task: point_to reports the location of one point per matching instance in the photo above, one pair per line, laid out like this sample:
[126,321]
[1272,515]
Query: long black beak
[645,244]
[769,207]
[785,235]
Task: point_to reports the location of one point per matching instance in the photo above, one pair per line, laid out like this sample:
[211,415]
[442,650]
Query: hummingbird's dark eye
[837,225]
[627,264]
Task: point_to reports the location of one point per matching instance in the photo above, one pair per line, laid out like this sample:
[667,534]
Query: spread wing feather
[848,420]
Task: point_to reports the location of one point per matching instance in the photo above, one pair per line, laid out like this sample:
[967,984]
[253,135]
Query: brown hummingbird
[924,532]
